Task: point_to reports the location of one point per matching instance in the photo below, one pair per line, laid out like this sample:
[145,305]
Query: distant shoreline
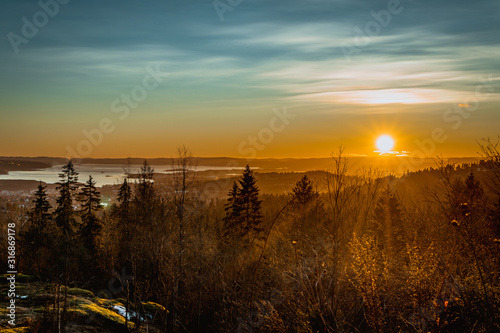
[7,165]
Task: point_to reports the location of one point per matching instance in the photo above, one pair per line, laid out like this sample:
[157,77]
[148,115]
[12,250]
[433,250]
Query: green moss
[153,307]
[79,312]
[104,313]
[83,306]
[97,311]
[107,302]
[80,292]
[14,330]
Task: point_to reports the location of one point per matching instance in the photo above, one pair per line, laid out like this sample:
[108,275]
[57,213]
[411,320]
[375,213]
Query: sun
[385,143]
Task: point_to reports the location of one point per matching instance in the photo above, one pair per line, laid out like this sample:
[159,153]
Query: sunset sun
[384,143]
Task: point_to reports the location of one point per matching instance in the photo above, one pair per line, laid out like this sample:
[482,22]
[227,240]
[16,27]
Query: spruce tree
[144,198]
[35,236]
[126,227]
[90,203]
[473,192]
[39,216]
[90,199]
[243,207]
[232,209]
[145,191]
[304,192]
[65,213]
[250,205]
[124,199]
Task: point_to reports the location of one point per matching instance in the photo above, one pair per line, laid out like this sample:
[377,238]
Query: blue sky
[221,79]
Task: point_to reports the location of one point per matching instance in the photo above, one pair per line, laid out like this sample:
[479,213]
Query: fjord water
[103,174]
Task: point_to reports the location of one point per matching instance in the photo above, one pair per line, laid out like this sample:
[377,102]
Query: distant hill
[7,165]
[385,163]
[19,185]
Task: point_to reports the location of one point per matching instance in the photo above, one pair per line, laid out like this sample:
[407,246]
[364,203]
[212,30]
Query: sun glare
[385,143]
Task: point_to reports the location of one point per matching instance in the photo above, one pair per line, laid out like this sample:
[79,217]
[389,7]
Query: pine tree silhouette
[126,225]
[250,205]
[39,216]
[90,202]
[144,198]
[65,213]
[35,236]
[474,193]
[89,198]
[232,209]
[145,191]
[124,200]
[243,210]
[304,191]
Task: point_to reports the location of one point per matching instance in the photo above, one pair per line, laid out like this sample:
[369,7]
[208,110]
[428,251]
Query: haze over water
[103,174]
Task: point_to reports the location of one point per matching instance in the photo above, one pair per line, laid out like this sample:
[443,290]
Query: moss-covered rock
[153,307]
[80,292]
[85,311]
[15,330]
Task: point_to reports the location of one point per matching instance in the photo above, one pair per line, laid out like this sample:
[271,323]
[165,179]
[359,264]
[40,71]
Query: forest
[363,252]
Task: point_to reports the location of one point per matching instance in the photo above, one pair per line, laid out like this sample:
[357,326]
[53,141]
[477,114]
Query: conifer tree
[243,209]
[90,199]
[473,191]
[65,213]
[144,198]
[90,202]
[250,205]
[249,200]
[34,238]
[145,192]
[65,220]
[303,191]
[124,200]
[123,211]
[232,209]
[39,216]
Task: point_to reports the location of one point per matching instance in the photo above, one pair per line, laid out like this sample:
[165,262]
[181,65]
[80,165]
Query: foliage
[362,252]
[243,209]
[64,214]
